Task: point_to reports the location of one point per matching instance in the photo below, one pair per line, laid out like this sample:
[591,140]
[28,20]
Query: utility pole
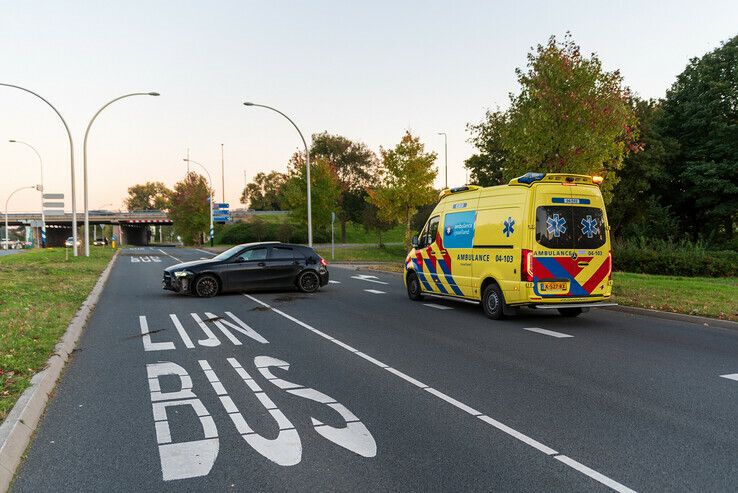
[222,171]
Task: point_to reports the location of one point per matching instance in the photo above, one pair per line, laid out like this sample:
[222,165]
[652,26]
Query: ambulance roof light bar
[465,188]
[529,179]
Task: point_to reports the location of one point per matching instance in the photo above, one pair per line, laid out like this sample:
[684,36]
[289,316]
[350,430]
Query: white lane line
[334,282]
[203,258]
[493,422]
[367,278]
[165,253]
[375,291]
[205,251]
[547,332]
[594,474]
[732,376]
[438,307]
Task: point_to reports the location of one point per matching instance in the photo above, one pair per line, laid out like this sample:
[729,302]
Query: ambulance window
[430,231]
[589,230]
[553,227]
[570,227]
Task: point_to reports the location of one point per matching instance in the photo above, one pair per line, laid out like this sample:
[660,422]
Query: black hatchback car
[251,266]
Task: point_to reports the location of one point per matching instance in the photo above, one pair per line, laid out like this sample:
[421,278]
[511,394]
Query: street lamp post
[7,241]
[307,164]
[41,166]
[445,154]
[84,162]
[210,180]
[71,161]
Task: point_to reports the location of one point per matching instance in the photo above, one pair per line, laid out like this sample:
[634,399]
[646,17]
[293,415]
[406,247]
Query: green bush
[674,259]
[258,230]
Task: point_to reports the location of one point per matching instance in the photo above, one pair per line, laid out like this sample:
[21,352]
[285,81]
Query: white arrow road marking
[374,291]
[364,277]
[438,307]
[460,405]
[547,332]
[732,376]
[334,282]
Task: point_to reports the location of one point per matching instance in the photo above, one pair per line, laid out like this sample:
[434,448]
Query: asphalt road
[357,388]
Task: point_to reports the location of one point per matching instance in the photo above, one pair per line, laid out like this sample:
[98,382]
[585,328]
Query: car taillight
[526,266]
[609,266]
[323,262]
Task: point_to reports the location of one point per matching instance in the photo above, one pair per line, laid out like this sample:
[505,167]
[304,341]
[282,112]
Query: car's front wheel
[308,282]
[413,287]
[206,286]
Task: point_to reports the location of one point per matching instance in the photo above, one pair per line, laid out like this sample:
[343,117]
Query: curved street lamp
[7,242]
[71,160]
[41,165]
[84,162]
[210,205]
[307,166]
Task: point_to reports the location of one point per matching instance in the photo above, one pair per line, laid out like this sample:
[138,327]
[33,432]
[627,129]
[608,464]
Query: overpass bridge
[131,227]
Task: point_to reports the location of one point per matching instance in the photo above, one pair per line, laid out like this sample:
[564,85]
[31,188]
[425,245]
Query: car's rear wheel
[206,286]
[413,287]
[493,302]
[308,282]
[570,312]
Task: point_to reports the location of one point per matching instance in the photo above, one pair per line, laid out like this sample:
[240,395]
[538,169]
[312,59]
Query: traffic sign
[53,212]
[53,196]
[221,206]
[54,205]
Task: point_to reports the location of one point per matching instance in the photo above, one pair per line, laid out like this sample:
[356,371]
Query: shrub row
[674,259]
[263,231]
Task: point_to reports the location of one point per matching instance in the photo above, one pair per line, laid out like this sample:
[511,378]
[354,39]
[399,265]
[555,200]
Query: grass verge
[715,297]
[365,253]
[40,291]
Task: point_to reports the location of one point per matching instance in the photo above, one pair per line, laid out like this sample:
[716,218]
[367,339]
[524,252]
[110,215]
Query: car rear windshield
[567,227]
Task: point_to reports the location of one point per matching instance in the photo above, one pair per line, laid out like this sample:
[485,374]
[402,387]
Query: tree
[152,195]
[637,207]
[264,192]
[325,191]
[701,114]
[406,182]
[487,168]
[570,116]
[371,221]
[189,207]
[355,166]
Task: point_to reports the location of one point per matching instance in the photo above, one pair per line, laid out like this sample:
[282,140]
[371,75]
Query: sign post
[333,245]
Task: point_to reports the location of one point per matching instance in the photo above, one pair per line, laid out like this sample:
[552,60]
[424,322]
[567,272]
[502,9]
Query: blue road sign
[221,206]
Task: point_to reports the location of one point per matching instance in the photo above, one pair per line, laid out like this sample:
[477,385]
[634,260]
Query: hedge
[264,231]
[674,259]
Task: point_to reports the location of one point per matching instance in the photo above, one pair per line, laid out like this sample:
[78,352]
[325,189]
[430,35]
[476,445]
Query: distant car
[100,242]
[70,242]
[251,266]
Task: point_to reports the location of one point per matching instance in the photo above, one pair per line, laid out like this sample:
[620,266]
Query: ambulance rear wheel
[570,312]
[493,301]
[413,287]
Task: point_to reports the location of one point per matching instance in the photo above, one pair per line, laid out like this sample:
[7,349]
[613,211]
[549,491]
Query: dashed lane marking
[460,405]
[374,291]
[334,282]
[732,376]
[204,251]
[547,332]
[438,307]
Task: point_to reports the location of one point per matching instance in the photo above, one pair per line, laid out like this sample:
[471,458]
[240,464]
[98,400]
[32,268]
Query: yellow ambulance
[542,240]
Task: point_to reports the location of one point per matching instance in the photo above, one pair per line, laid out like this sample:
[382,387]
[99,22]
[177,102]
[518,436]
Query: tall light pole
[445,154]
[222,171]
[210,180]
[41,166]
[307,165]
[71,162]
[84,159]
[7,242]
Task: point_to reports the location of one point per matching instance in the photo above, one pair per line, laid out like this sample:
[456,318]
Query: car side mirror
[415,242]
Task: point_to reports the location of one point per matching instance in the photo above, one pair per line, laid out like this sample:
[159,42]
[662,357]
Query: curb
[679,317]
[18,428]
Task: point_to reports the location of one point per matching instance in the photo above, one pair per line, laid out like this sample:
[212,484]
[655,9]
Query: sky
[368,71]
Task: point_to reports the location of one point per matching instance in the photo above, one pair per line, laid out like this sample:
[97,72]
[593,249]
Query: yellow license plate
[554,287]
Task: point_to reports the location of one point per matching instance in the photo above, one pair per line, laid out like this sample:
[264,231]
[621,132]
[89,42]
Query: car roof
[275,243]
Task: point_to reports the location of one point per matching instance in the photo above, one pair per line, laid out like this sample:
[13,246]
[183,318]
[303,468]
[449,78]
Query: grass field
[708,297]
[363,253]
[40,292]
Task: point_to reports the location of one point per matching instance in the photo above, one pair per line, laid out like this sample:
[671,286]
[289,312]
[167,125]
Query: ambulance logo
[508,228]
[449,230]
